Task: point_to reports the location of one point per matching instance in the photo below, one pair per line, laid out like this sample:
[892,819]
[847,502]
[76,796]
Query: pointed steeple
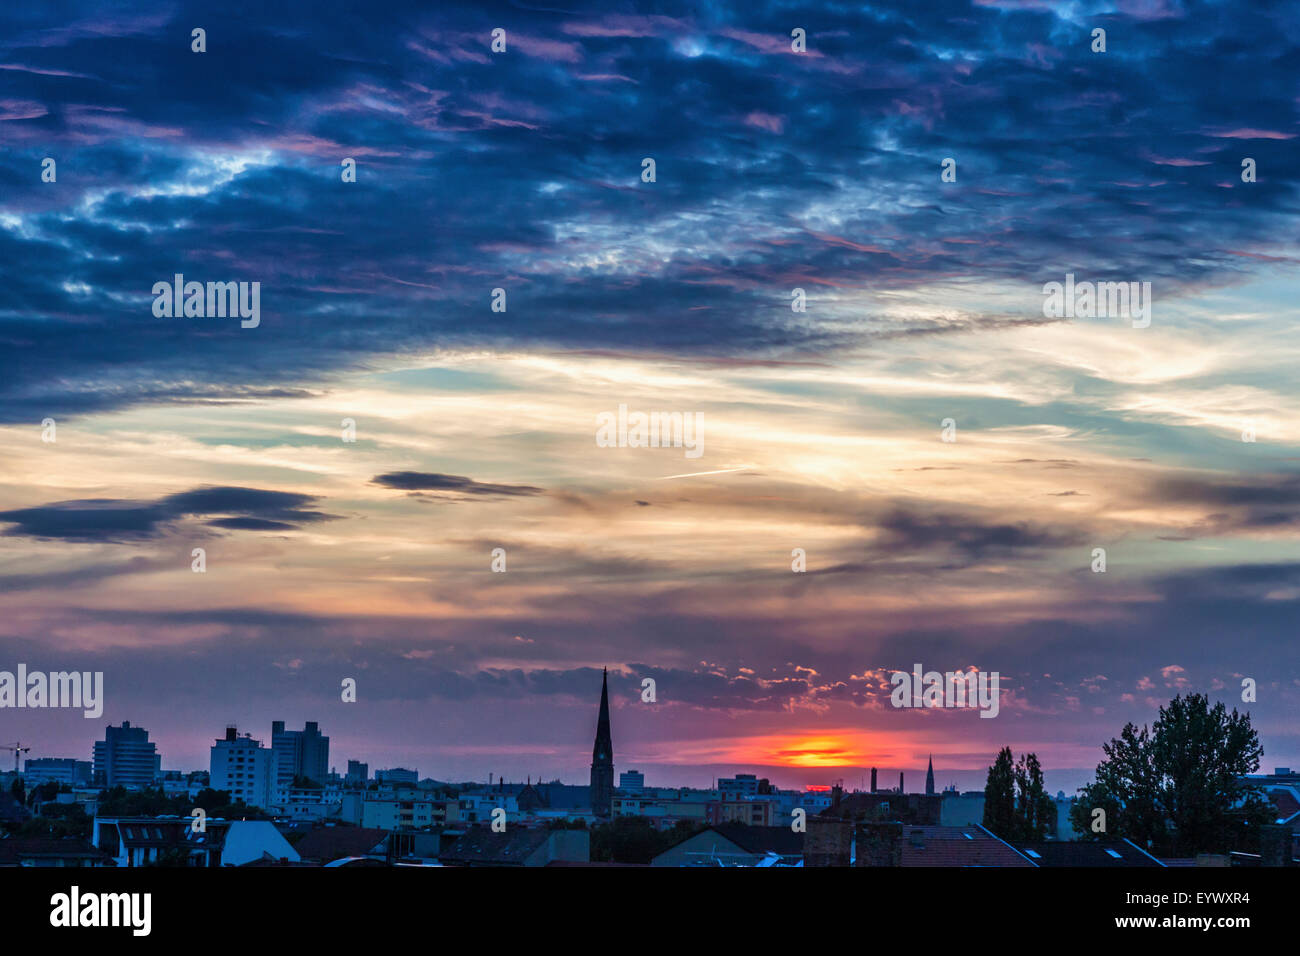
[929,777]
[602,757]
[602,722]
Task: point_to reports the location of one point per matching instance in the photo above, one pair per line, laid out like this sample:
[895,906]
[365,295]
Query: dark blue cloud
[421,481]
[521,171]
[108,519]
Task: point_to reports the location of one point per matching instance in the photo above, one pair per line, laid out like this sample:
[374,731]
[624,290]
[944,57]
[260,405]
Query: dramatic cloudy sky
[476,429]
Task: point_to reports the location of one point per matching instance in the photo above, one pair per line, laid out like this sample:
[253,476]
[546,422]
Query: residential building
[833,841]
[330,843]
[308,803]
[299,753]
[61,770]
[244,767]
[742,785]
[402,814]
[1111,853]
[916,809]
[734,844]
[755,812]
[126,758]
[51,851]
[137,841]
[518,846]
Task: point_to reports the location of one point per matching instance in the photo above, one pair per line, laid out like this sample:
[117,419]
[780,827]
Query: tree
[1017,805]
[58,820]
[172,857]
[121,802]
[1035,809]
[1000,796]
[1179,788]
[635,839]
[44,792]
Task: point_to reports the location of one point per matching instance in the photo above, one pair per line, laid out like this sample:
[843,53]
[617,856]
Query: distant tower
[873,779]
[602,758]
[929,778]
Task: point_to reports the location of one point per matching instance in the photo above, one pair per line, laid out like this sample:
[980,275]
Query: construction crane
[18,749]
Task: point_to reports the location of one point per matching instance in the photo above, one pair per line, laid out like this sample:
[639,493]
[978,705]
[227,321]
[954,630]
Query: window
[1114,854]
[1034,854]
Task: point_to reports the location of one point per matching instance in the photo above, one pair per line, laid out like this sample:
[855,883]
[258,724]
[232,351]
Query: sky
[826,430]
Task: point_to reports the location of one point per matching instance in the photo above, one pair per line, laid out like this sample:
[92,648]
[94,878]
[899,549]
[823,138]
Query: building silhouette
[602,757]
[244,767]
[126,757]
[929,777]
[298,753]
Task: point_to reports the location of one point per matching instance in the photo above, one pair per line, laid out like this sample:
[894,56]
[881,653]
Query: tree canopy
[1016,803]
[1178,788]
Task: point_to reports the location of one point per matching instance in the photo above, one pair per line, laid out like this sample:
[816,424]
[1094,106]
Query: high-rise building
[633,781]
[299,753]
[602,758]
[242,766]
[126,757]
[358,772]
[397,775]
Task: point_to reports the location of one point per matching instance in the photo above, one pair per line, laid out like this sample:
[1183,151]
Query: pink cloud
[1249,133]
[619,25]
[767,121]
[847,243]
[1176,161]
[546,49]
[20,110]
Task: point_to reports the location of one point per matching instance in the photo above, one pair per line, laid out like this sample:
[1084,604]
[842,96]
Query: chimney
[873,779]
[900,781]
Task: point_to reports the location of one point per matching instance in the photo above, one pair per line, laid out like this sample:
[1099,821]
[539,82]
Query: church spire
[602,757]
[602,722]
[929,777]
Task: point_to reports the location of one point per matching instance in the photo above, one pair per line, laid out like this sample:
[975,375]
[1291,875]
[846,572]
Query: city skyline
[960,780]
